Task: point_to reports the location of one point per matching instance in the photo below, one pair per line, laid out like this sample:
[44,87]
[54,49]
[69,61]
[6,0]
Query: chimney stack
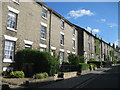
[91,32]
[96,35]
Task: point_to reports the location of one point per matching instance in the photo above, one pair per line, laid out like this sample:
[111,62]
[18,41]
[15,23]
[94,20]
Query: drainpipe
[50,31]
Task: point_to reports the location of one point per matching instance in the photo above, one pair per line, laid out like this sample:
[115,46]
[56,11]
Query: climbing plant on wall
[97,47]
[112,53]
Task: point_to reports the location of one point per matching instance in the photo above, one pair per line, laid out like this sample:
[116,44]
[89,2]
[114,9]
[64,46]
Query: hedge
[82,66]
[98,63]
[43,61]
[40,75]
[74,59]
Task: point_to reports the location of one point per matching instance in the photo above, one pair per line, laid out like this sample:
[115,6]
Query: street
[107,79]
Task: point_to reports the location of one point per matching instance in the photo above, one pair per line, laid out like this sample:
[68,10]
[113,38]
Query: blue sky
[100,17]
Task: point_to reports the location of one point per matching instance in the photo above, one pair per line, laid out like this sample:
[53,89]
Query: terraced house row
[35,25]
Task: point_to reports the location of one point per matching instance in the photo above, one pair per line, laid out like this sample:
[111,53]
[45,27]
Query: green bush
[43,61]
[40,75]
[92,59]
[115,61]
[74,59]
[82,59]
[82,66]
[66,63]
[98,63]
[17,74]
[118,62]
[4,73]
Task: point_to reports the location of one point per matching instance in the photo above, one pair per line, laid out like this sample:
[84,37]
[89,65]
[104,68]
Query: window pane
[43,32]
[44,13]
[12,20]
[9,50]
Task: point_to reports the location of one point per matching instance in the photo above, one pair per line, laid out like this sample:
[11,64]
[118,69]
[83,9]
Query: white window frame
[28,44]
[73,42]
[61,58]
[73,32]
[43,46]
[88,46]
[43,8]
[62,22]
[9,50]
[45,33]
[16,12]
[62,39]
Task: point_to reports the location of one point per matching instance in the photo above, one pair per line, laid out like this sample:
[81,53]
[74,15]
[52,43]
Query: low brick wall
[69,75]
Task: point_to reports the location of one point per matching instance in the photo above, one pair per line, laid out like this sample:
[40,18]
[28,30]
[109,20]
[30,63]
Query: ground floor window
[88,56]
[42,49]
[61,57]
[9,50]
[28,46]
[53,52]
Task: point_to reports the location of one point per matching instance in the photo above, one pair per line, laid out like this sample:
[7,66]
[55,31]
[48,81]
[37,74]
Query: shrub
[17,74]
[40,75]
[82,59]
[92,59]
[118,62]
[43,61]
[4,73]
[66,63]
[82,66]
[73,59]
[98,63]
[115,61]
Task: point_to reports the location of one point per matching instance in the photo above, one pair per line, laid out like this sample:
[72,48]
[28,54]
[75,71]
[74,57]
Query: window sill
[44,18]
[8,61]
[73,48]
[61,45]
[62,28]
[43,39]
[73,34]
[11,29]
[16,2]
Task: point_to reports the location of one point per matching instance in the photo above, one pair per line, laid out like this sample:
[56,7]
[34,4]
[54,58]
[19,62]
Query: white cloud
[112,25]
[103,20]
[79,13]
[95,30]
[89,28]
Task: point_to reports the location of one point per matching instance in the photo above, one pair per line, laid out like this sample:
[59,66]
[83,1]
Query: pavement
[73,82]
[70,83]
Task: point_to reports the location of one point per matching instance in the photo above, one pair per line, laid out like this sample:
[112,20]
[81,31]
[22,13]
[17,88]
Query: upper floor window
[73,44]
[28,46]
[73,31]
[9,50]
[44,12]
[12,20]
[88,37]
[43,32]
[62,23]
[62,39]
[88,46]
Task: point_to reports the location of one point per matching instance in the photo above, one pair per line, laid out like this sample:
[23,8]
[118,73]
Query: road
[107,79]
